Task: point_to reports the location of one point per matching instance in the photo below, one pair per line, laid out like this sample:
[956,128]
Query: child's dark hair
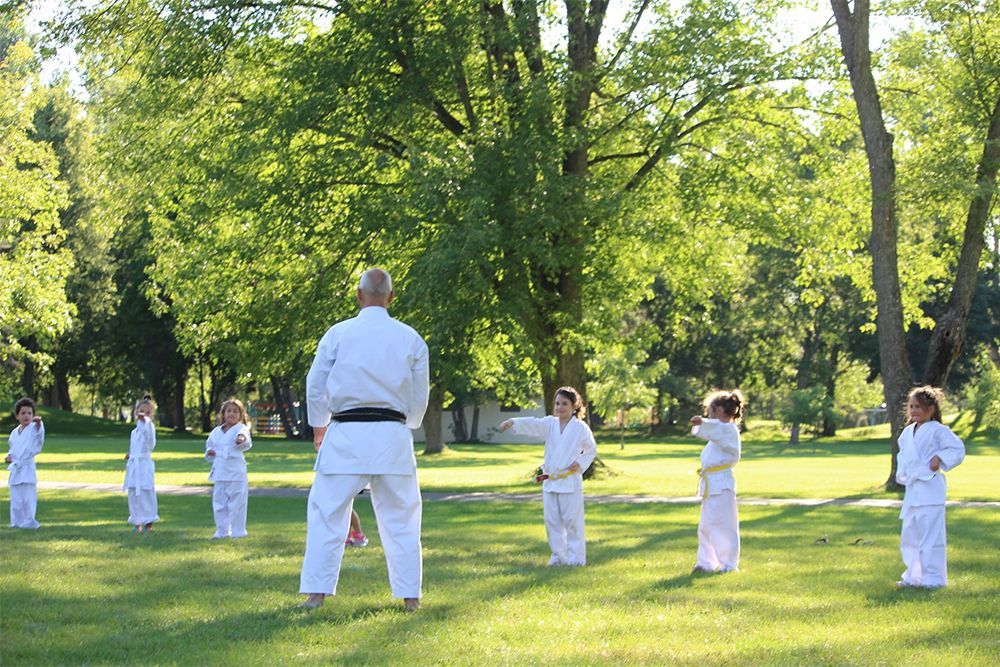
[24,402]
[244,417]
[928,397]
[731,402]
[573,396]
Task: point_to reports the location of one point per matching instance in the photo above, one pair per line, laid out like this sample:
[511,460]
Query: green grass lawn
[854,464]
[84,590]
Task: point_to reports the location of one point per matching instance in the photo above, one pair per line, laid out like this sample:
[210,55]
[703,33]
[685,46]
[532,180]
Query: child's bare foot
[137,528]
[411,604]
[314,601]
[149,527]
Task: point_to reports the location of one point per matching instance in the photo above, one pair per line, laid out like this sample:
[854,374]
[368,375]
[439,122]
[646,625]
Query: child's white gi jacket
[723,449]
[24,447]
[140,471]
[228,464]
[923,485]
[575,444]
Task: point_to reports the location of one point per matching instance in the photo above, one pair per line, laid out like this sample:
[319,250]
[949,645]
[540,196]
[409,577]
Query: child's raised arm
[243,441]
[531,426]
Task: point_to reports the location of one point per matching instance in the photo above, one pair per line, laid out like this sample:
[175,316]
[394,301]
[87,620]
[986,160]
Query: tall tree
[34,263]
[314,150]
[897,374]
[62,122]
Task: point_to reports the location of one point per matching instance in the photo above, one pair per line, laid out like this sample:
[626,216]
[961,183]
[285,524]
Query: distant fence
[265,418]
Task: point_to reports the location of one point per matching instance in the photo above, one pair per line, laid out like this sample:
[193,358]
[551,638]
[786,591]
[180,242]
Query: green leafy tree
[34,264]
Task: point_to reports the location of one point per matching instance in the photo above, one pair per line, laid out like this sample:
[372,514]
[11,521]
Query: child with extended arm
[719,525]
[26,442]
[224,449]
[569,450]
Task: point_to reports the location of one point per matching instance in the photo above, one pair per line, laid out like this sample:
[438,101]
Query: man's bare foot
[314,601]
[411,604]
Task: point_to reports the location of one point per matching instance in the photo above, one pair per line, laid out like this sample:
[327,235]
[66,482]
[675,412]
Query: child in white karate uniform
[26,442]
[224,450]
[927,448]
[139,469]
[719,525]
[569,450]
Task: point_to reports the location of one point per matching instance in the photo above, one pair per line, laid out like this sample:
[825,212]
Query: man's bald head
[375,288]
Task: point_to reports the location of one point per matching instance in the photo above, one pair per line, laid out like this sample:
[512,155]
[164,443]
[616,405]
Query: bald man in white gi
[367,392]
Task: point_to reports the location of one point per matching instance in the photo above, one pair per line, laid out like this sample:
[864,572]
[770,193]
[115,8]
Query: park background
[644,199]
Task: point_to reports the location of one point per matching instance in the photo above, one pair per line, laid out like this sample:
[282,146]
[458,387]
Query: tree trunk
[47,396]
[180,385]
[163,401]
[829,425]
[474,429]
[204,409]
[458,422]
[56,395]
[803,375]
[897,375]
[30,372]
[948,338]
[433,442]
[283,402]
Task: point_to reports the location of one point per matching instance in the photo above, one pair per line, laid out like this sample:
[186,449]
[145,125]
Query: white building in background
[490,416]
[265,419]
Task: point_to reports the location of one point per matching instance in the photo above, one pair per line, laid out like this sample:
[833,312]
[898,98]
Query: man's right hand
[318,433]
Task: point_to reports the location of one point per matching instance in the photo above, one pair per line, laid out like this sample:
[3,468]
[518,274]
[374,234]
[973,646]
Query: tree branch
[618,156]
[628,36]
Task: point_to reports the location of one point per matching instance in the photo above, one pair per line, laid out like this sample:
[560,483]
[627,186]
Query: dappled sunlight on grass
[84,589]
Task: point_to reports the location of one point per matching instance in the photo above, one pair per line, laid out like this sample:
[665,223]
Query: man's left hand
[318,433]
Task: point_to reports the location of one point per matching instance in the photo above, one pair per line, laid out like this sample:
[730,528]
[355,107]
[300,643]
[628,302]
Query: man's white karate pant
[563,514]
[229,505]
[142,506]
[398,508]
[719,532]
[23,504]
[924,546]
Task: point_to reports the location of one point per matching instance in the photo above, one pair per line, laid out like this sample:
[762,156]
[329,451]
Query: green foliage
[810,406]
[34,264]
[982,394]
[63,122]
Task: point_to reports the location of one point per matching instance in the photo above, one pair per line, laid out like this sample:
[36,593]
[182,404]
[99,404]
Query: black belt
[370,415]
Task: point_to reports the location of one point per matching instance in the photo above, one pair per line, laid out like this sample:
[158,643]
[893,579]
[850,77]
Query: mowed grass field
[85,590]
[855,464]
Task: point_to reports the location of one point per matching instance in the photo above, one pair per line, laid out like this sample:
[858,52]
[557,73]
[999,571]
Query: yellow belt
[703,483]
[558,475]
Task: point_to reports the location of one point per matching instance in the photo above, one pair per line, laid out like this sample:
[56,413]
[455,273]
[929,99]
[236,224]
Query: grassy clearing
[85,590]
[854,464]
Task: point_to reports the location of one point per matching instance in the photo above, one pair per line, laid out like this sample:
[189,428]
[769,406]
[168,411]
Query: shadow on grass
[85,590]
[679,581]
